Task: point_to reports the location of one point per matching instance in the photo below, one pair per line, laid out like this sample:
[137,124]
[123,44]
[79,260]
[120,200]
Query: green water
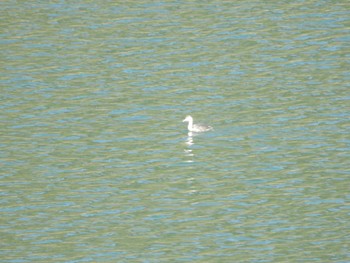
[97,166]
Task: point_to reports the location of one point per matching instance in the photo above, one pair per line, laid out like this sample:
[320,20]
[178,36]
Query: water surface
[96,165]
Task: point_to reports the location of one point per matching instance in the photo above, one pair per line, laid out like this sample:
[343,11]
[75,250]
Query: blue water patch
[122,111]
[76,76]
[59,111]
[155,88]
[136,118]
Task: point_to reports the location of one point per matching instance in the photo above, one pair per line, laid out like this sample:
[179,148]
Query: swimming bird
[196,127]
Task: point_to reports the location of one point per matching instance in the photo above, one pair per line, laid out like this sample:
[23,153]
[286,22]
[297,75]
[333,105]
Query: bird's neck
[190,124]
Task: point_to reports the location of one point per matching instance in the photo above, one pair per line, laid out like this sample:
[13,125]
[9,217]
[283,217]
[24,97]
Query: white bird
[196,127]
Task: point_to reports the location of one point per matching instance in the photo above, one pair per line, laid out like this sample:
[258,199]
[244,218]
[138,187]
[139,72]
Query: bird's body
[196,127]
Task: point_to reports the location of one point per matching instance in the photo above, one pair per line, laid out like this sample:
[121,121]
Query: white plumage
[196,127]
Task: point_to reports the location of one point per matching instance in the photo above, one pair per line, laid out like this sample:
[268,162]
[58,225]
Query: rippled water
[97,166]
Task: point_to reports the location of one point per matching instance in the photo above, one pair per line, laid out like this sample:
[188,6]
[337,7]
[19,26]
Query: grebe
[196,127]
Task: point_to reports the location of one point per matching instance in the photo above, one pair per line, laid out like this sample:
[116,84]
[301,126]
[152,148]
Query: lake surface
[97,166]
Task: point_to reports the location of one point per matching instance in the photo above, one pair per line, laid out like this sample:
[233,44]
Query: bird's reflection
[188,150]
[189,140]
